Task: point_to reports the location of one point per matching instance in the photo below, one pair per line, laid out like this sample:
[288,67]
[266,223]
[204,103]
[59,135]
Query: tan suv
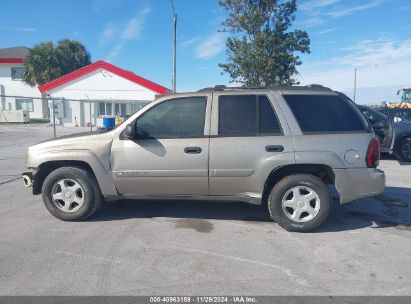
[276,147]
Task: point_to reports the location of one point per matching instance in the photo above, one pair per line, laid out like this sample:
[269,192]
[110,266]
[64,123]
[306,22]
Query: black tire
[401,146]
[305,181]
[90,191]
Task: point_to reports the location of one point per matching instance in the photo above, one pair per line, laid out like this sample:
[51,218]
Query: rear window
[324,114]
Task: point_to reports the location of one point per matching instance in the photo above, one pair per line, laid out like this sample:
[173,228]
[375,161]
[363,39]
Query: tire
[303,197]
[404,149]
[71,194]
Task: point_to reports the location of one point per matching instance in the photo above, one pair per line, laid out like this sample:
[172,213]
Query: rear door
[249,137]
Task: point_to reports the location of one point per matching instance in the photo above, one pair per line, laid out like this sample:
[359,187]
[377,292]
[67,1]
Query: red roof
[108,67]
[11,60]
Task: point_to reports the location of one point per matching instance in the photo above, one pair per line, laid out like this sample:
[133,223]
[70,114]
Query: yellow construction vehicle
[405,98]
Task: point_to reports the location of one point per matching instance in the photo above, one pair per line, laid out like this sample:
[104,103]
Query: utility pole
[355,83]
[174,45]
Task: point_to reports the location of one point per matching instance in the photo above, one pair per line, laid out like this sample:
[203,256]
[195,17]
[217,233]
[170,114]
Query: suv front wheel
[71,193]
[299,202]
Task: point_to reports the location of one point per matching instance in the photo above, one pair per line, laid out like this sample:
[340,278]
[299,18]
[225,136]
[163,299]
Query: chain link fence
[25,121]
[62,115]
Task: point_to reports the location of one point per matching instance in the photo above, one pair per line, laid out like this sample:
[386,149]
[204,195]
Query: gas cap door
[352,156]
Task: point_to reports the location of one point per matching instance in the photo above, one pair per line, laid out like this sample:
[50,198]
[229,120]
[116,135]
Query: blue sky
[372,35]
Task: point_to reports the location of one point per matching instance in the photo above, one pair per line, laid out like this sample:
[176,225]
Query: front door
[169,155]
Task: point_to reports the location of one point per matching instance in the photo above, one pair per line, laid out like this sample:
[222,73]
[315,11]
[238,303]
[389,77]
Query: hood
[78,141]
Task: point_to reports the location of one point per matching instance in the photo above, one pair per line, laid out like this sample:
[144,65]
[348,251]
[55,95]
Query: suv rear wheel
[71,193]
[404,149]
[299,202]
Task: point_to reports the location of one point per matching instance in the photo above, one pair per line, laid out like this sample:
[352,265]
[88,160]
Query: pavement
[197,248]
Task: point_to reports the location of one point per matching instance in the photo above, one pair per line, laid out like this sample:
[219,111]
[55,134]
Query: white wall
[98,86]
[18,88]
[103,85]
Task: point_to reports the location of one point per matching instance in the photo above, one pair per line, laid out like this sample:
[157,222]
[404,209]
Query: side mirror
[129,132]
[379,124]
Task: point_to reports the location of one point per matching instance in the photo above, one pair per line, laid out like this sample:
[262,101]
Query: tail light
[373,154]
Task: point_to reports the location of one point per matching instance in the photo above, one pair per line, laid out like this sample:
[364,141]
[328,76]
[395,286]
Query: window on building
[181,117]
[17,73]
[105,108]
[324,114]
[24,104]
[120,109]
[135,106]
[246,115]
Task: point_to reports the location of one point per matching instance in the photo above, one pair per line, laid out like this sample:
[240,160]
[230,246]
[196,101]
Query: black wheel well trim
[42,171]
[322,171]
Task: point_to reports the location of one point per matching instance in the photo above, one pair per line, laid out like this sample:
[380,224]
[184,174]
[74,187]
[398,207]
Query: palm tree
[46,61]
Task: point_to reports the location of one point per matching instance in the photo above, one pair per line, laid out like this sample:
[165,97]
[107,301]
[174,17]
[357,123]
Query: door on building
[169,155]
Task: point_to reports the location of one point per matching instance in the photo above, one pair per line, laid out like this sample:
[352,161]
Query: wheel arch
[47,167]
[324,172]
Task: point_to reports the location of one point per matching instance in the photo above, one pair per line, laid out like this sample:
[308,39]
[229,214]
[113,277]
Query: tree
[46,61]
[261,49]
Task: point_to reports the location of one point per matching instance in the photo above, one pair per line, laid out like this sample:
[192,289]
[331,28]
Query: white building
[23,97]
[82,97]
[98,90]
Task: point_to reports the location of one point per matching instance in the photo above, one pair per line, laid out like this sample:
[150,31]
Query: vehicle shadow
[392,209]
[386,156]
[190,209]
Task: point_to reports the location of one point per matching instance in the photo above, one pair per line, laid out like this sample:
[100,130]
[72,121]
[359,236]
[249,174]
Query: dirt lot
[197,248]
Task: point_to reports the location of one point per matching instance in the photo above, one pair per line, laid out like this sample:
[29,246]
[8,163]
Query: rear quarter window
[324,114]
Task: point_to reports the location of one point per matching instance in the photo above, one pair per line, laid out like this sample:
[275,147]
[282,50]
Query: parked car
[279,148]
[393,129]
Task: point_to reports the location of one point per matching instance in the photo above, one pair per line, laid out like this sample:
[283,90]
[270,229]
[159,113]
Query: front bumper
[357,183]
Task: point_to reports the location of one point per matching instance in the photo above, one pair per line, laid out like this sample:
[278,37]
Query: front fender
[100,170]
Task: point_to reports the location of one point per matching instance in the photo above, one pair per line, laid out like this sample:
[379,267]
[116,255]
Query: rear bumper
[357,183]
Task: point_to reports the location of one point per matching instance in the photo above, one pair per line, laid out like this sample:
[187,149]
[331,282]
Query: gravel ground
[197,248]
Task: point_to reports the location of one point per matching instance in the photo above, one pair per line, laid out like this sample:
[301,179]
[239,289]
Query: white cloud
[121,35]
[211,46]
[316,15]
[353,9]
[316,4]
[378,52]
[109,32]
[135,25]
[380,63]
[311,22]
[18,29]
[189,42]
[326,31]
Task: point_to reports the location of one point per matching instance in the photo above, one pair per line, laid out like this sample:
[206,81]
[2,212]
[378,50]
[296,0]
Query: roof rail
[225,88]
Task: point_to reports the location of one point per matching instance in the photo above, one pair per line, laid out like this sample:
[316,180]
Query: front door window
[175,118]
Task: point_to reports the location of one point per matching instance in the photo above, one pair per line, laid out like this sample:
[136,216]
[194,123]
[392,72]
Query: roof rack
[316,87]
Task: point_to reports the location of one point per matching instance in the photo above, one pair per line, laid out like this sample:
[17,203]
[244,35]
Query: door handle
[274,148]
[192,150]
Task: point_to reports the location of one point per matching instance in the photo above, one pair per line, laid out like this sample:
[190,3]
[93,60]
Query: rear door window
[324,114]
[246,115]
[267,119]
